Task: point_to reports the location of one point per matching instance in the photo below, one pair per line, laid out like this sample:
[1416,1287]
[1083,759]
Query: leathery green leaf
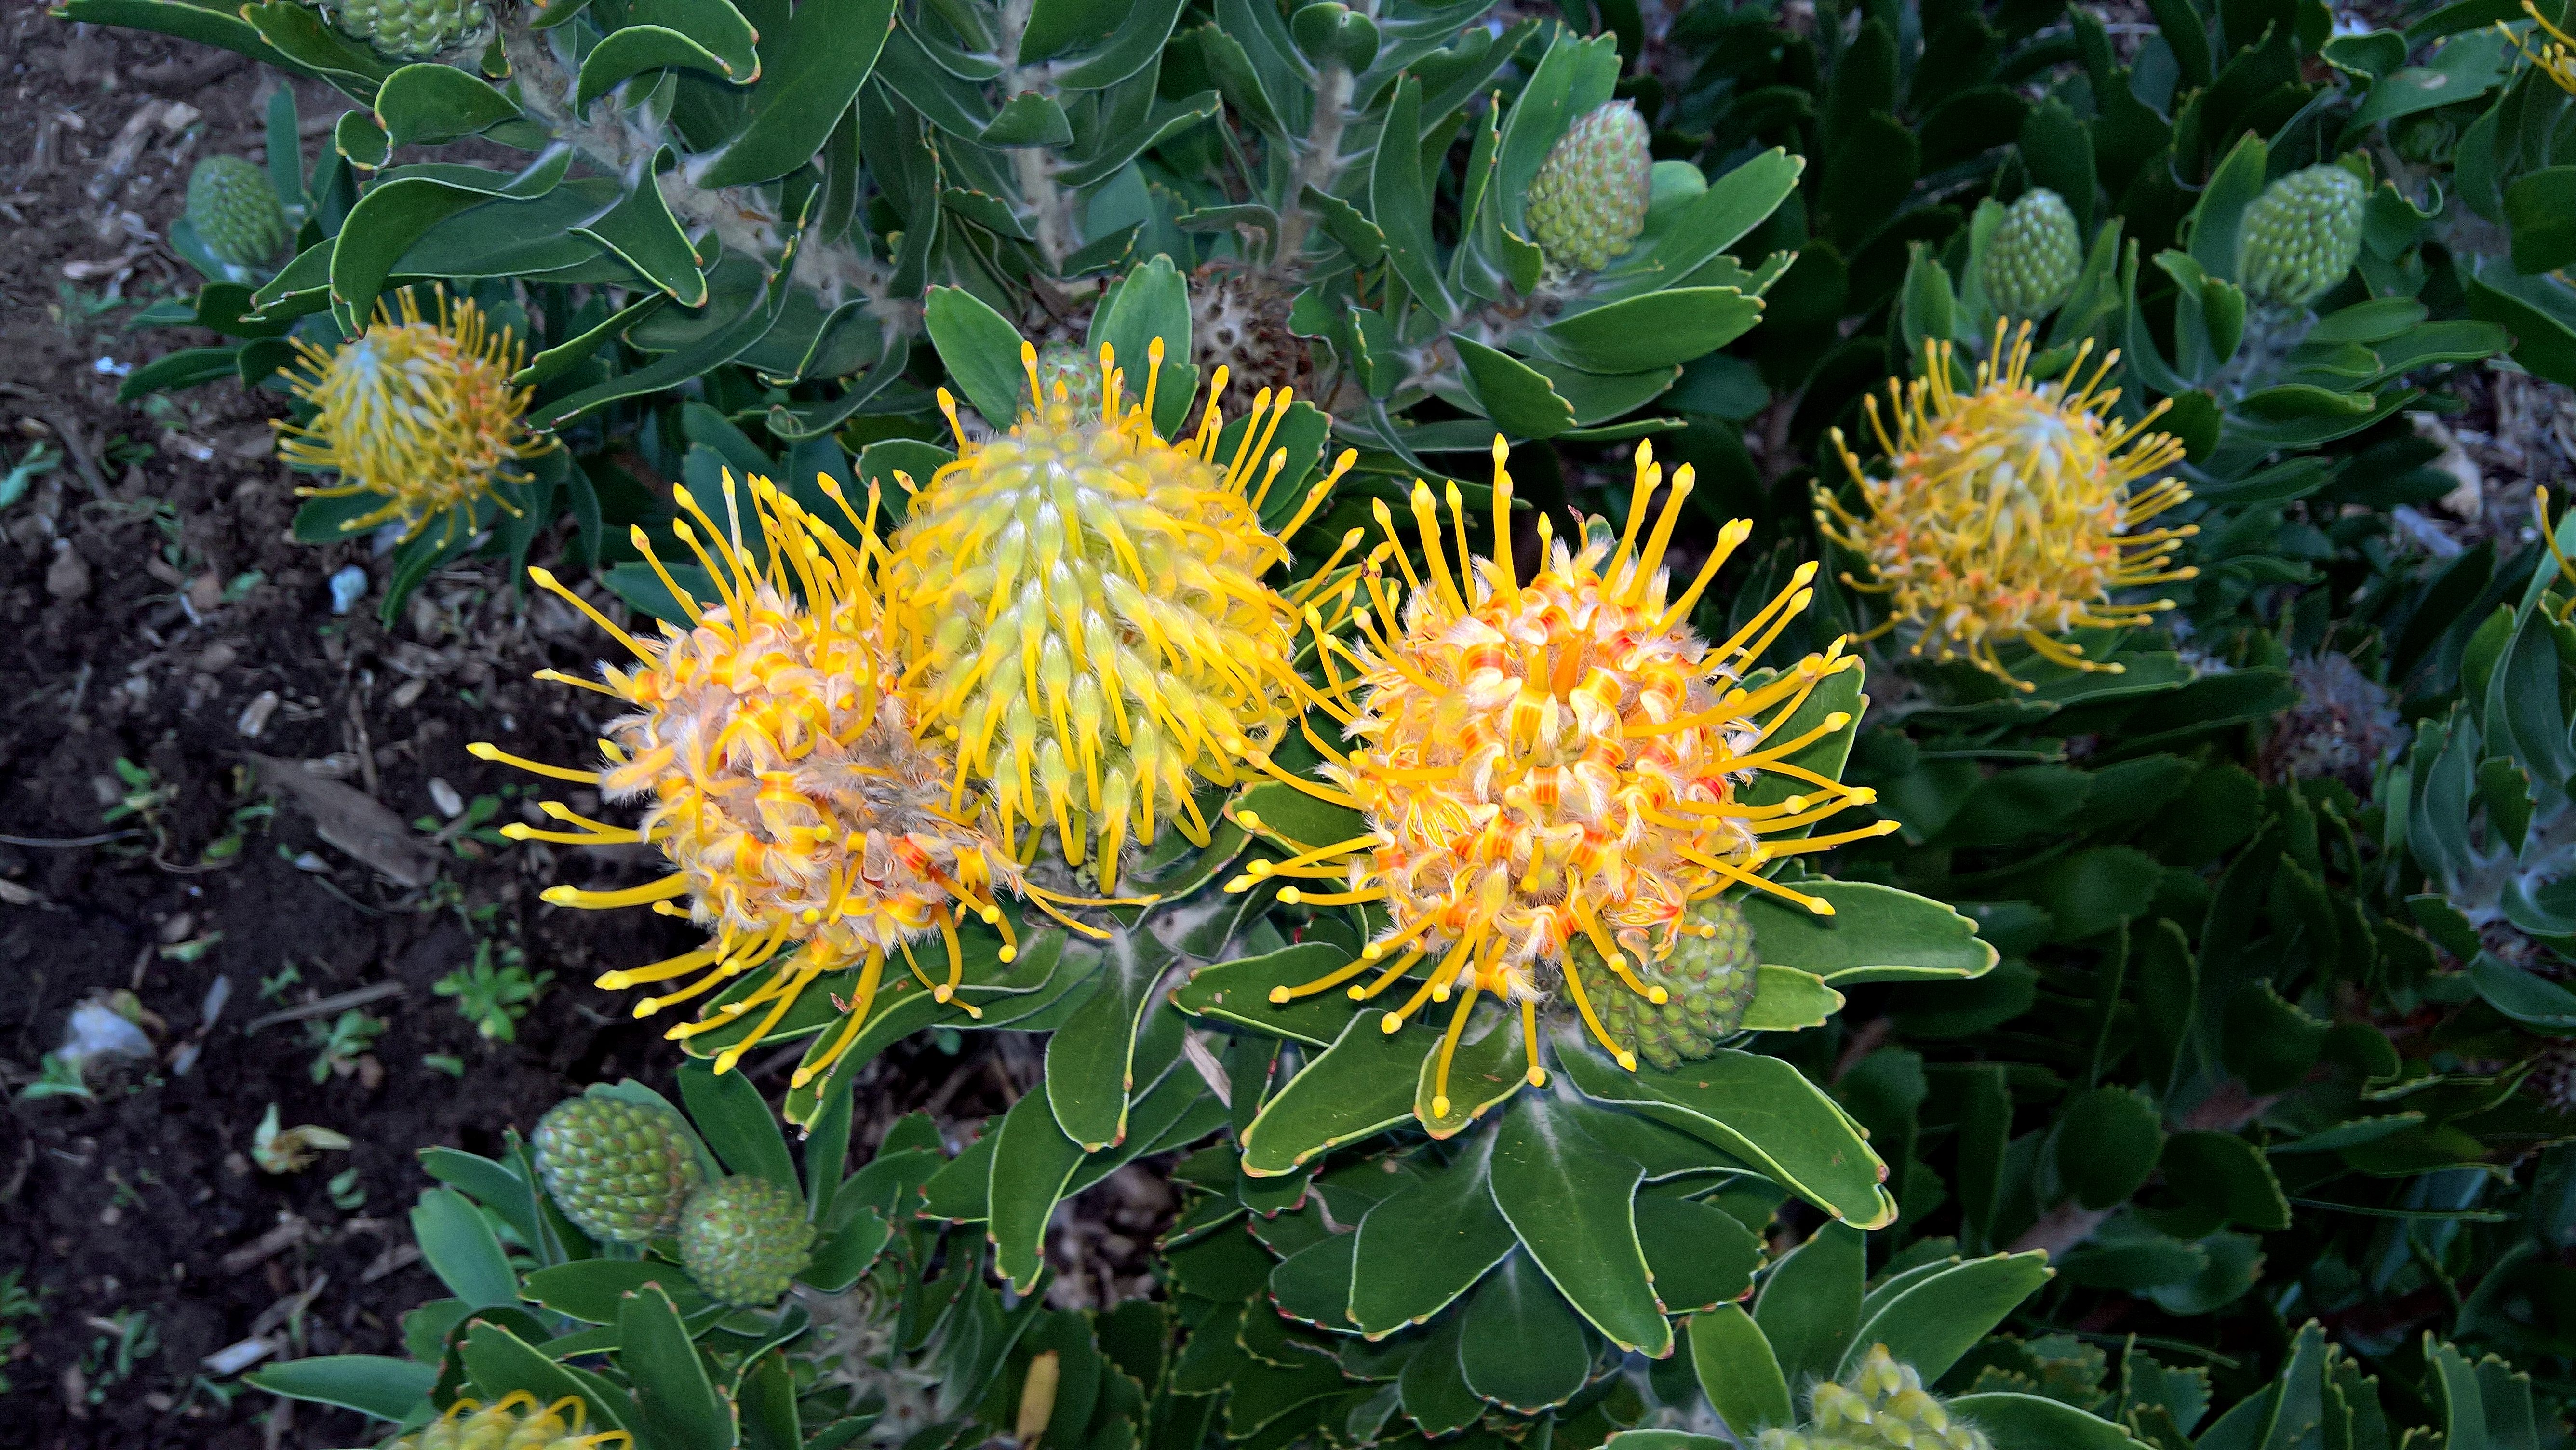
[1810,1302]
[1519,1344]
[1738,1372]
[1760,1109]
[1941,1316]
[1032,1162]
[1572,1203]
[1427,1243]
[1363,1082]
[1876,934]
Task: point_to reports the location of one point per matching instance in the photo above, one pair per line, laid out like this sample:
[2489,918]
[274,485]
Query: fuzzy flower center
[808,829]
[2007,513]
[1084,606]
[1554,760]
[418,410]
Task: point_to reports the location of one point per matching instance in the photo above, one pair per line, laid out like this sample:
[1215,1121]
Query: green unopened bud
[1885,1407]
[1588,202]
[1708,982]
[620,1171]
[744,1240]
[235,212]
[2301,236]
[2033,259]
[412,29]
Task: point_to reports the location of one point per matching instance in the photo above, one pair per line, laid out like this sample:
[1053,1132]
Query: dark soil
[152,611]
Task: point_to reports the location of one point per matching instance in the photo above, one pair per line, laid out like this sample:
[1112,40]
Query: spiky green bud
[2033,259]
[2301,236]
[235,212]
[412,29]
[1709,981]
[618,1170]
[744,1240]
[1588,202]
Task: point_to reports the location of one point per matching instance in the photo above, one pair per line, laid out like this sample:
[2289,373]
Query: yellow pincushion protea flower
[1548,760]
[2009,513]
[2556,56]
[1083,606]
[417,409]
[517,1422]
[808,828]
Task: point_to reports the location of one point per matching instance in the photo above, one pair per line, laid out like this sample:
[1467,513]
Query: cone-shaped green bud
[1708,980]
[618,1170]
[744,1240]
[2301,236]
[412,29]
[1067,365]
[1588,201]
[2033,259]
[235,212]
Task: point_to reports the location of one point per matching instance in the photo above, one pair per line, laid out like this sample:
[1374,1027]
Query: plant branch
[1050,206]
[1319,162]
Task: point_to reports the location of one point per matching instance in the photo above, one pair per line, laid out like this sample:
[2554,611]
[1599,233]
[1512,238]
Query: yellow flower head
[1558,759]
[2008,512]
[1083,608]
[517,1422]
[418,410]
[809,830]
[2556,56]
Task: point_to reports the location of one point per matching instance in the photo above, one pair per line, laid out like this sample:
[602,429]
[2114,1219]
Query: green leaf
[2231,1175]
[1484,1071]
[1738,1372]
[1029,119]
[1364,1082]
[380,228]
[1284,815]
[1573,1205]
[643,234]
[827,1147]
[186,368]
[811,71]
[501,1363]
[1660,329]
[1939,1317]
[1721,216]
[1518,1343]
[203,24]
[1758,1108]
[1090,1060]
[594,1291]
[1313,1285]
[1433,1387]
[462,1251]
[428,103]
[2029,1422]
[1512,393]
[632,50]
[738,1124]
[1700,1256]
[1032,1162]
[1427,1243]
[1810,1303]
[2218,219]
[1788,1000]
[1400,203]
[371,1384]
[1239,992]
[1152,303]
[2532,1000]
[2106,1144]
[681,1410]
[981,351]
[715,24]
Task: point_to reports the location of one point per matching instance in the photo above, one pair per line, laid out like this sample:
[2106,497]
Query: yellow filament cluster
[2008,514]
[517,1422]
[419,410]
[1545,760]
[2556,55]
[1082,606]
[809,831]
